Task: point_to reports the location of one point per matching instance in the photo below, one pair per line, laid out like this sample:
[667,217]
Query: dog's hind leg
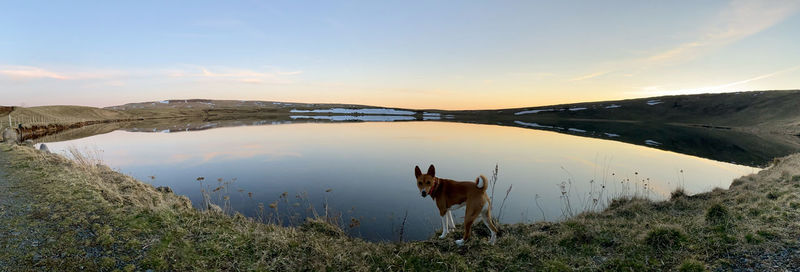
[486,215]
[469,218]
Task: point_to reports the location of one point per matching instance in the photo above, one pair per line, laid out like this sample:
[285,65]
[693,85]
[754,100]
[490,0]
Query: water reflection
[368,167]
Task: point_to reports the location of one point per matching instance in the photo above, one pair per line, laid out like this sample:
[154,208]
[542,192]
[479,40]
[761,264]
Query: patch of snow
[654,102]
[577,109]
[164,101]
[613,106]
[532,111]
[651,142]
[431,116]
[366,118]
[381,111]
[576,130]
[531,124]
[165,131]
[611,134]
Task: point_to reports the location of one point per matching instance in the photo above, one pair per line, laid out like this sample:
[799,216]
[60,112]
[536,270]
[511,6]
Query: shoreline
[747,226]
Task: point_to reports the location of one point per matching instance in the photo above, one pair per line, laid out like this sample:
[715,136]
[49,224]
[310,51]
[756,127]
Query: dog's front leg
[444,226]
[451,222]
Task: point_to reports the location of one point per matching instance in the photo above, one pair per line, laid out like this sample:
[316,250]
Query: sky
[408,54]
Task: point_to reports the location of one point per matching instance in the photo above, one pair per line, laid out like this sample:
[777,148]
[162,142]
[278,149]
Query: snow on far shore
[533,111]
[611,134]
[613,106]
[576,130]
[367,118]
[536,125]
[654,102]
[577,109]
[357,111]
[651,142]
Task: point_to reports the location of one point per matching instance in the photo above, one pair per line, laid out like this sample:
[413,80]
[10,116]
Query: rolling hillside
[764,111]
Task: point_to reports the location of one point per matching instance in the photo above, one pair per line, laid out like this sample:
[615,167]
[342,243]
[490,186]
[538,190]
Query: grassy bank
[57,213]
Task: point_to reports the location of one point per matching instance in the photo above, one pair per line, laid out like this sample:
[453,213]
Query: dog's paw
[460,242]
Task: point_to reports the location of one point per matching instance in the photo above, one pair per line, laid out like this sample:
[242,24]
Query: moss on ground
[90,217]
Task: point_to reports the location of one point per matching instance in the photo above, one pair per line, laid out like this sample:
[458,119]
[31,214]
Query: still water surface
[367,169]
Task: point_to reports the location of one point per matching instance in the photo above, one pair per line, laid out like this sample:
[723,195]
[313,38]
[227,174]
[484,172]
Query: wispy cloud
[117,77]
[740,19]
[28,72]
[660,90]
[590,76]
[32,72]
[240,75]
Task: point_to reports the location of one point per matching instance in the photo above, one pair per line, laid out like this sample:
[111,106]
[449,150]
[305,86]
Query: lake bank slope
[68,214]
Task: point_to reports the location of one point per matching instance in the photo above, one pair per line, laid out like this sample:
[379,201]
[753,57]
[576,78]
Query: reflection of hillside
[194,124]
[717,144]
[81,132]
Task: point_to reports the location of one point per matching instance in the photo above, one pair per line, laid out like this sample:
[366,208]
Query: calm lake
[364,171]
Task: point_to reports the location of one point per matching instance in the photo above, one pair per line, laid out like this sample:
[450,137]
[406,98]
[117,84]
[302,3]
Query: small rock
[164,189]
[214,208]
[43,147]
[9,135]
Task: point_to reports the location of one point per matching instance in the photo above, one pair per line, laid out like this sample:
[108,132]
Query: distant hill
[763,111]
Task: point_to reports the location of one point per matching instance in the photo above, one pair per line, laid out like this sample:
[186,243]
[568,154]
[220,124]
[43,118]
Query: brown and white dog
[450,195]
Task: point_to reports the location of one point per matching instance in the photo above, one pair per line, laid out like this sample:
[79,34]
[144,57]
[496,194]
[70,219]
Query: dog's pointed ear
[417,172]
[431,171]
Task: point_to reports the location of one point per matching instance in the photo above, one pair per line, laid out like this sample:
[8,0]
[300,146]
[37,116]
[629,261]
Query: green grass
[93,218]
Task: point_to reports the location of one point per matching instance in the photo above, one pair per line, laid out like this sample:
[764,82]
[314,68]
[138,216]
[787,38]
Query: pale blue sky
[419,54]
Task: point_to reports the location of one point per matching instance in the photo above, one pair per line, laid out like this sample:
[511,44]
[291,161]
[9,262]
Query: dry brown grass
[61,115]
[760,215]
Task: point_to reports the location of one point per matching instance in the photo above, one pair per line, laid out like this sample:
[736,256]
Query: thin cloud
[590,76]
[657,90]
[234,74]
[27,72]
[738,20]
[31,73]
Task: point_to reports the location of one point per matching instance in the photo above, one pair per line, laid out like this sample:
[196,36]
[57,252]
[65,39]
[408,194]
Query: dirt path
[12,208]
[20,235]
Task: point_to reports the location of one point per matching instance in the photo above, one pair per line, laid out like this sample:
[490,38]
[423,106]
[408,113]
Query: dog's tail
[480,182]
